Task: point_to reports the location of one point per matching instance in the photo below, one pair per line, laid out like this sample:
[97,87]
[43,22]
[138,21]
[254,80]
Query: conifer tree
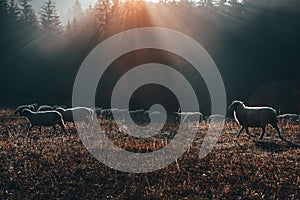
[50,21]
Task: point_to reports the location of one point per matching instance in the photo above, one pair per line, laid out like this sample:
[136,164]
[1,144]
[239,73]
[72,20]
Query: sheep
[32,107]
[106,113]
[190,116]
[138,115]
[83,113]
[289,118]
[45,108]
[98,111]
[193,117]
[215,118]
[43,118]
[156,116]
[121,113]
[254,117]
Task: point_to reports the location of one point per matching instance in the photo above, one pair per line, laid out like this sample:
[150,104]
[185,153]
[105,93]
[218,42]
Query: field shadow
[275,147]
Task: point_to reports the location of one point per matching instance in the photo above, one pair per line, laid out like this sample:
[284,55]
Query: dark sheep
[43,118]
[254,117]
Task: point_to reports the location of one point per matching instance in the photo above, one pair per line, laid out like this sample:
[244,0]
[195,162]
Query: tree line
[41,54]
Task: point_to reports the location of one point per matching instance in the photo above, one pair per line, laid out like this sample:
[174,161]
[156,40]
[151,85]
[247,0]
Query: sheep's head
[233,106]
[34,106]
[20,109]
[25,112]
[17,111]
[60,110]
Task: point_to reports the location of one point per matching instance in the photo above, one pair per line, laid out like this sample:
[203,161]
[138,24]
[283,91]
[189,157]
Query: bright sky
[62,5]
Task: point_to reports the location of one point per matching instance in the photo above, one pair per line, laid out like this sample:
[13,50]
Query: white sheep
[193,117]
[43,118]
[84,114]
[32,107]
[121,114]
[156,116]
[254,117]
[190,116]
[215,118]
[289,118]
[138,115]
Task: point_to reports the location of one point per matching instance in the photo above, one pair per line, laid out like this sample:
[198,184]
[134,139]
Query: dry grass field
[57,166]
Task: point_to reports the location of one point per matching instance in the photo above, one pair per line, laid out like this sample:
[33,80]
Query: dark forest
[255,45]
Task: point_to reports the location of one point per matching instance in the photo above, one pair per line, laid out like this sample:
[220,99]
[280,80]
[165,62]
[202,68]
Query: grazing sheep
[84,114]
[193,117]
[190,116]
[289,118]
[106,114]
[254,117]
[138,115]
[156,116]
[43,118]
[32,107]
[215,118]
[45,108]
[98,111]
[179,115]
[121,113]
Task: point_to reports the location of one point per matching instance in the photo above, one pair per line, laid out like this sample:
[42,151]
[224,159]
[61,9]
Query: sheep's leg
[262,134]
[40,129]
[63,128]
[61,124]
[30,128]
[247,131]
[278,131]
[54,128]
[240,131]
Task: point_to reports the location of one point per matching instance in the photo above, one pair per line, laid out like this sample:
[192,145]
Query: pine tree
[50,22]
[28,16]
[3,10]
[74,25]
[89,9]
[77,9]
[76,12]
[68,27]
[13,12]
[102,9]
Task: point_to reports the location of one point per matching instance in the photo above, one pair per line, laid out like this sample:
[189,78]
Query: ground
[57,166]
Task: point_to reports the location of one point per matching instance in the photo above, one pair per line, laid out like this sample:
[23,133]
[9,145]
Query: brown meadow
[56,166]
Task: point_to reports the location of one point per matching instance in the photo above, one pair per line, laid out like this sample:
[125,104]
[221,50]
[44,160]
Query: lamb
[32,107]
[84,114]
[254,117]
[289,118]
[43,118]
